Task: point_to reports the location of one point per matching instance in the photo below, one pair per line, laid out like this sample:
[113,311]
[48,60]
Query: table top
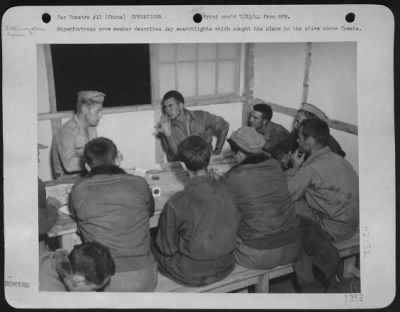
[164,182]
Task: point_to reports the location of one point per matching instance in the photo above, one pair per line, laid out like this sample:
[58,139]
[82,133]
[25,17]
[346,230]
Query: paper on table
[60,192]
[64,209]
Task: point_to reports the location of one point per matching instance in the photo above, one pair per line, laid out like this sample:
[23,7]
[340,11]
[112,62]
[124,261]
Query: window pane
[186,52]
[227,50]
[166,52]
[167,78]
[207,51]
[187,79]
[207,78]
[226,77]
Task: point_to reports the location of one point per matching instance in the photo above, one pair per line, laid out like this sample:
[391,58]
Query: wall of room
[279,75]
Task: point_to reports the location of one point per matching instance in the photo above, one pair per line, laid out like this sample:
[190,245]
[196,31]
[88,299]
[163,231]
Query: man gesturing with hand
[178,123]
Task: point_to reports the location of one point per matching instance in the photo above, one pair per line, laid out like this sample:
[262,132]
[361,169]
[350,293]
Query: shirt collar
[78,123]
[199,179]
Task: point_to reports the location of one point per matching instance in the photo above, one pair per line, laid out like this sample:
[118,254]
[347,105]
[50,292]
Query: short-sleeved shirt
[68,144]
[200,123]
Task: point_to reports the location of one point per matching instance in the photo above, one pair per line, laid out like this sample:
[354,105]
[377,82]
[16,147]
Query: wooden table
[164,183]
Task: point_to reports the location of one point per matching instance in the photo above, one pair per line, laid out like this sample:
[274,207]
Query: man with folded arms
[197,227]
[113,208]
[69,141]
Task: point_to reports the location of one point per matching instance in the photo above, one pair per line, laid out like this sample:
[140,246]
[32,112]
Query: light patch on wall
[133,133]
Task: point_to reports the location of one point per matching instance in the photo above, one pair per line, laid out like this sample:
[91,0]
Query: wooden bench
[243,278]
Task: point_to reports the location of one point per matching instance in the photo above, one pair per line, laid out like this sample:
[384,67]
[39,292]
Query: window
[121,71]
[201,69]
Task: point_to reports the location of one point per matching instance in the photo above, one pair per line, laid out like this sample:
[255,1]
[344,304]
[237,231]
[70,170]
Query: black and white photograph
[200,166]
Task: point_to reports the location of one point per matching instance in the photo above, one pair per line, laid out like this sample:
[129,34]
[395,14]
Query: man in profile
[69,141]
[197,227]
[178,123]
[324,188]
[308,111]
[88,267]
[113,208]
[260,120]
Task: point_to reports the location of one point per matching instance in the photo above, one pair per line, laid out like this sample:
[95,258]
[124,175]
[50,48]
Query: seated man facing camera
[88,267]
[178,123]
[197,227]
[113,208]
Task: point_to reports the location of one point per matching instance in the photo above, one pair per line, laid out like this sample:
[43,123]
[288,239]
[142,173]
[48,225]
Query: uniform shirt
[274,134]
[68,144]
[329,186]
[198,123]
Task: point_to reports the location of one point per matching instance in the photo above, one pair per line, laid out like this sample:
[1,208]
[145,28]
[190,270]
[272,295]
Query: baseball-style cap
[91,95]
[248,139]
[314,110]
[42,146]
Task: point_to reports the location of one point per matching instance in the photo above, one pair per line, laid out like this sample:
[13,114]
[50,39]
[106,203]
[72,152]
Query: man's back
[207,219]
[113,208]
[262,196]
[197,233]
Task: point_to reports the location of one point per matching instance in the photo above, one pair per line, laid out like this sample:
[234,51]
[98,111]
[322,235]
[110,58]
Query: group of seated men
[289,197]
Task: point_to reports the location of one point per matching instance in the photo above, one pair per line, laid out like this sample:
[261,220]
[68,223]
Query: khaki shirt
[198,123]
[68,145]
[328,184]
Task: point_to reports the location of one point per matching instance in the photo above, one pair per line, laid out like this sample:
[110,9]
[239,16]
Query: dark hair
[265,109]
[100,151]
[93,261]
[195,153]
[175,95]
[316,128]
[280,149]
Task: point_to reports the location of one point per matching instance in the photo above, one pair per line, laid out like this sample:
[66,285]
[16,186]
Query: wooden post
[262,285]
[155,98]
[307,69]
[248,89]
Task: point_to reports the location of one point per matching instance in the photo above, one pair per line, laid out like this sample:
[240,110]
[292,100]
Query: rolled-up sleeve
[219,127]
[299,181]
[167,237]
